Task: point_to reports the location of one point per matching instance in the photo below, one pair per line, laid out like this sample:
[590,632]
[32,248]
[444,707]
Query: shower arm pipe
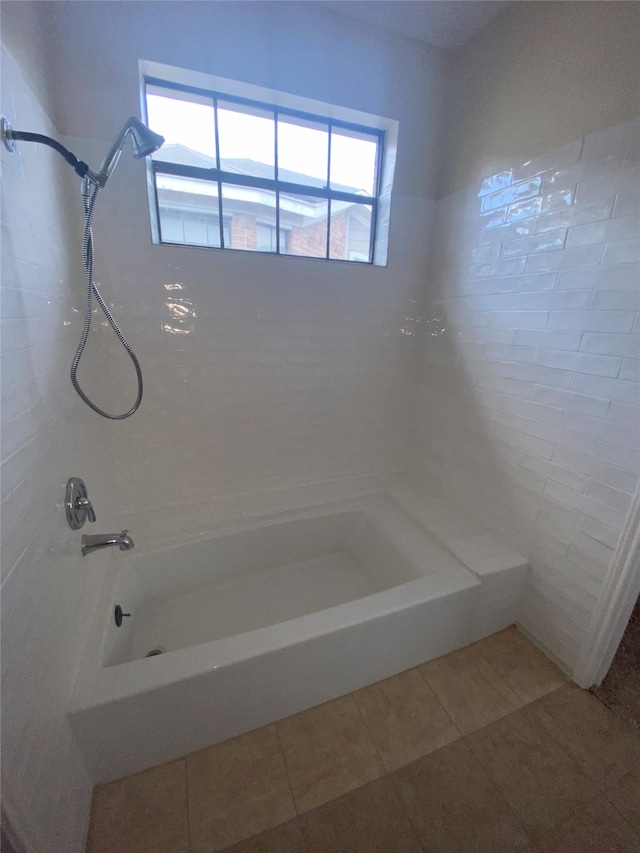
[79,166]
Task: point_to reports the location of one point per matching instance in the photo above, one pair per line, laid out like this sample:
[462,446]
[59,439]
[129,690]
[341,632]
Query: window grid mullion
[275,174]
[217,136]
[218,175]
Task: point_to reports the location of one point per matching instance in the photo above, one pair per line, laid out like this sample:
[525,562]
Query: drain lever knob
[118,614]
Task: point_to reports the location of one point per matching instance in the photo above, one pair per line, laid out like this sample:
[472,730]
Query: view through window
[237,174]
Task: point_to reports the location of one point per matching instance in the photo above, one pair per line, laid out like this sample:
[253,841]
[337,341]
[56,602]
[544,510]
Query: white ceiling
[441,23]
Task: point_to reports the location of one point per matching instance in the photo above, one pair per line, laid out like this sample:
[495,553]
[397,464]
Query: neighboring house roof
[175,153]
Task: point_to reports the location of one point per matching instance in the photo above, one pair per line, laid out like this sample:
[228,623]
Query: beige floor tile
[328,752]
[625,796]
[543,785]
[237,789]
[454,806]
[599,829]
[471,691]
[404,718]
[520,664]
[603,745]
[144,813]
[368,820]
[286,838]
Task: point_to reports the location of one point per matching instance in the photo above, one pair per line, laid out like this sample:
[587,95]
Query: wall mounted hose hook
[144,142]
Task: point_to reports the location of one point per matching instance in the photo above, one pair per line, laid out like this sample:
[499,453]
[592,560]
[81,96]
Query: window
[236,173]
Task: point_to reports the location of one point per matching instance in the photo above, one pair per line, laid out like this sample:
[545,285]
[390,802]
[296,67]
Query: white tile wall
[527,401]
[48,589]
[269,382]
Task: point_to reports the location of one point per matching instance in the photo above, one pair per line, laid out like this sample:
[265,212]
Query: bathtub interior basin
[226,583]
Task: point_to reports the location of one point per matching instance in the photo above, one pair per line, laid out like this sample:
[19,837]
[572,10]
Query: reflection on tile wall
[528,395]
[48,589]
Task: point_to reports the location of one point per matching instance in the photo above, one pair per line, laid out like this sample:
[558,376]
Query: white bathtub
[259,620]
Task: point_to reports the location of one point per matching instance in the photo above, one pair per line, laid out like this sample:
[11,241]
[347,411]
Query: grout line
[352,695]
[186,783]
[437,698]
[286,769]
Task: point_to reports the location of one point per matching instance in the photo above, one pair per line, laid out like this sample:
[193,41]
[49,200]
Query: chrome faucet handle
[84,505]
[77,505]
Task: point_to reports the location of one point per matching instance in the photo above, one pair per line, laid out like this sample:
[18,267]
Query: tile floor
[486,750]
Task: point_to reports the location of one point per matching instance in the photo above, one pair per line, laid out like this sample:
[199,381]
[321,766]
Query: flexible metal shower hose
[89,196]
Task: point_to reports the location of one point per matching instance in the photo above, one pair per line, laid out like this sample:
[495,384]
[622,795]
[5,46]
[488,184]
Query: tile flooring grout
[286,770]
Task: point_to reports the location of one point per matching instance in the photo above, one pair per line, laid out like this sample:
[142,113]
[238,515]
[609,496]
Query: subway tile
[499,268]
[597,530]
[625,436]
[624,252]
[496,182]
[513,193]
[604,231]
[621,457]
[609,300]
[559,158]
[548,242]
[524,210]
[546,262]
[493,218]
[570,401]
[550,339]
[600,470]
[575,257]
[601,365]
[624,276]
[626,203]
[611,344]
[623,414]
[592,321]
[601,386]
[630,370]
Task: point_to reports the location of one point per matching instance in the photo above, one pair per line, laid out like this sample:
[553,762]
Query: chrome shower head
[144,142]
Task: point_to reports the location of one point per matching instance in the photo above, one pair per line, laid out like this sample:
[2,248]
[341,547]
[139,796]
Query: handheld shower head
[144,142]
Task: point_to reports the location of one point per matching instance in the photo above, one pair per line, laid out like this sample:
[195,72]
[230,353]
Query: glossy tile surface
[145,813]
[404,718]
[471,691]
[454,806]
[237,789]
[328,752]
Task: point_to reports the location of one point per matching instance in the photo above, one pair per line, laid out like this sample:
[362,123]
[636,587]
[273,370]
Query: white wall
[286,384]
[48,590]
[527,391]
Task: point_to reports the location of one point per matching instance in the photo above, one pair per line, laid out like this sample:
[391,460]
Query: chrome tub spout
[106,540]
